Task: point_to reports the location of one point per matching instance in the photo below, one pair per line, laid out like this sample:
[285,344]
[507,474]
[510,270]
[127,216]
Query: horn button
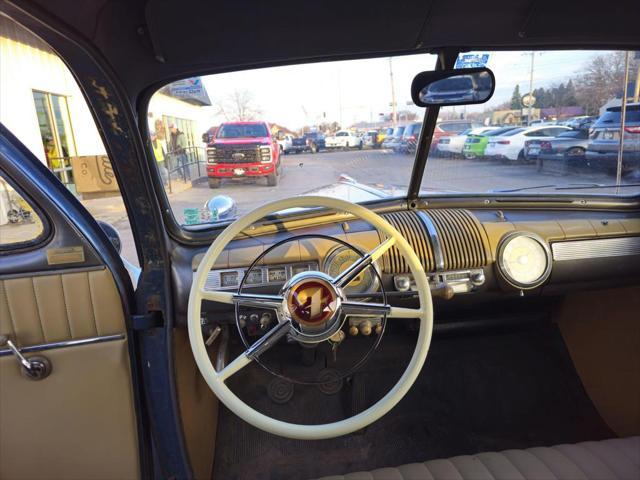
[313,306]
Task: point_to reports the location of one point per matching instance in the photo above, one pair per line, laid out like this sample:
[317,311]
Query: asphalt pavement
[380,169]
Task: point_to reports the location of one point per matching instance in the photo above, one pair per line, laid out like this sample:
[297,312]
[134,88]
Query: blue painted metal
[153,358]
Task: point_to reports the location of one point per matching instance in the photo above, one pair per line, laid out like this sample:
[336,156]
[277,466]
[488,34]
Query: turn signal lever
[34,368]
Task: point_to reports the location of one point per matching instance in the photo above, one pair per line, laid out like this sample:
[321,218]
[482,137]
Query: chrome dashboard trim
[433,236]
[214,278]
[64,344]
[596,248]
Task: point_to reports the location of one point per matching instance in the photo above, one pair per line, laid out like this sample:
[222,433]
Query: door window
[20,225]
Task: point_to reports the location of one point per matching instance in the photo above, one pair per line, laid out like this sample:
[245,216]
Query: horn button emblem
[312,302]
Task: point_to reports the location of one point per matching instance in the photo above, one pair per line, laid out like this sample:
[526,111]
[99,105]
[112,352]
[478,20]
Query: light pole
[623,118]
[394,118]
[533,55]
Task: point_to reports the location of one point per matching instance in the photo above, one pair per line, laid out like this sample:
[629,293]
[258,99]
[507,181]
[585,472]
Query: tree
[516,99]
[238,106]
[601,81]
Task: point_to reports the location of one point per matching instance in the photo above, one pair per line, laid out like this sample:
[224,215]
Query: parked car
[409,139]
[384,133]
[568,148]
[343,139]
[453,145]
[393,141]
[315,141]
[370,139]
[241,150]
[510,145]
[582,122]
[448,128]
[605,139]
[475,144]
[285,142]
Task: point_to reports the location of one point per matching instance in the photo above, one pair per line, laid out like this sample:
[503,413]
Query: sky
[357,90]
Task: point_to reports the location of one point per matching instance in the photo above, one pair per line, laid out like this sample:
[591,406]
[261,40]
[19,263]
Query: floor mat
[476,393]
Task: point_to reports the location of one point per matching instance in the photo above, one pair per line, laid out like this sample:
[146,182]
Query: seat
[617,458]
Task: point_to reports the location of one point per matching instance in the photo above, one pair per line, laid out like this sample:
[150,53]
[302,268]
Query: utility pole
[533,54]
[394,114]
[623,118]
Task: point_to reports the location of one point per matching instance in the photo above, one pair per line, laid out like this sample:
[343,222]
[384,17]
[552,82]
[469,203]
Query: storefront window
[56,134]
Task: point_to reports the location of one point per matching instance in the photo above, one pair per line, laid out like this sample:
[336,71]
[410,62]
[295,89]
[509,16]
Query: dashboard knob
[365,328]
[477,278]
[253,318]
[353,330]
[265,320]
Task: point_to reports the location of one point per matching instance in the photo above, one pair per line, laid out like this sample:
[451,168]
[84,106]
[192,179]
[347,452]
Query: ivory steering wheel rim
[216,380]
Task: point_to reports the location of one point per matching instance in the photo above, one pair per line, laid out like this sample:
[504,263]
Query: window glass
[42,105]
[544,94]
[331,128]
[19,223]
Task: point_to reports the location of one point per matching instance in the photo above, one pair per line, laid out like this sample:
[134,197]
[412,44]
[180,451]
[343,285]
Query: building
[41,103]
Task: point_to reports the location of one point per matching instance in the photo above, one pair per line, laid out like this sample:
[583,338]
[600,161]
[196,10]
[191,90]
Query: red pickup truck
[243,149]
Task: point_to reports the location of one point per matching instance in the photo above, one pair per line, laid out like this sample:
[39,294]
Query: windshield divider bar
[446,60]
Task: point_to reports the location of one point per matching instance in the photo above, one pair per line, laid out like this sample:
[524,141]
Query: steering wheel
[310,307]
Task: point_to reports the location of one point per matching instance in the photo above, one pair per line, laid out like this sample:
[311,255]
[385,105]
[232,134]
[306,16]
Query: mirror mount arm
[446,60]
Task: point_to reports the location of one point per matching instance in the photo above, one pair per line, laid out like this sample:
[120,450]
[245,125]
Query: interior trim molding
[64,344]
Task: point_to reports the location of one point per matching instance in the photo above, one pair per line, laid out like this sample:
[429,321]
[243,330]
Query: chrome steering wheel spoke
[263,344]
[350,273]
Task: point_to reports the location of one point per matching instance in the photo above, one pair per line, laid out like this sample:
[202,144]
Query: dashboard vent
[461,237]
[413,230]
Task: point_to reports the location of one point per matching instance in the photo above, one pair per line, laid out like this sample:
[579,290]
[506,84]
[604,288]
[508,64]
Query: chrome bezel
[502,269]
[335,251]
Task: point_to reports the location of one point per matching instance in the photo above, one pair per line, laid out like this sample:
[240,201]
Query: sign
[190,89]
[94,174]
[472,60]
[528,100]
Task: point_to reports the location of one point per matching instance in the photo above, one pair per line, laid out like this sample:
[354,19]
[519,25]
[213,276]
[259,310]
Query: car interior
[427,335]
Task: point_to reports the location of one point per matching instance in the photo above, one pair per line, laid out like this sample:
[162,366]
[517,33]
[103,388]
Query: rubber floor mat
[476,393]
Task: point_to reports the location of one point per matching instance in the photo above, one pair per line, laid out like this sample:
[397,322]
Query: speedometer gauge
[524,260]
[342,258]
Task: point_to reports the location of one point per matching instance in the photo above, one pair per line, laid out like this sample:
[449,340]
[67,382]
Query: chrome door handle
[34,368]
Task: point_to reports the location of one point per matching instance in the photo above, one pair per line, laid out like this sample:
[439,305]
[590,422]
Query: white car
[285,143]
[454,144]
[510,146]
[343,139]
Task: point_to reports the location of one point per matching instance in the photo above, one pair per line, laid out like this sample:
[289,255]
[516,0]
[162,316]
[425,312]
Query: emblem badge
[312,302]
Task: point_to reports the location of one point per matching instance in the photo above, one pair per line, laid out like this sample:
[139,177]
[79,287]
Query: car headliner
[148,43]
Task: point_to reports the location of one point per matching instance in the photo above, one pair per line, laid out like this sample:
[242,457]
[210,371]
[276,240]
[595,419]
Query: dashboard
[470,255]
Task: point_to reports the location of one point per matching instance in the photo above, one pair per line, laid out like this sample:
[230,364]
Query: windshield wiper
[567,186]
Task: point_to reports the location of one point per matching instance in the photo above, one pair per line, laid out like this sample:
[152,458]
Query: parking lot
[385,170]
[381,169]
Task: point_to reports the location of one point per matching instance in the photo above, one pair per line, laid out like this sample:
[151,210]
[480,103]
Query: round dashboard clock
[339,260]
[524,260]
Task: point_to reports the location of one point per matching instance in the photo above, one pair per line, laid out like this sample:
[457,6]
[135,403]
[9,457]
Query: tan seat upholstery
[609,459]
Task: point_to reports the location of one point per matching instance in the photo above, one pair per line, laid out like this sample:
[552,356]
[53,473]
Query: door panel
[79,422]
[60,306]
[75,424]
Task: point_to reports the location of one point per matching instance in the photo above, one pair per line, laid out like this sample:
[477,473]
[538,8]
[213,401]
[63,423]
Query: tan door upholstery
[51,308]
[78,423]
[609,459]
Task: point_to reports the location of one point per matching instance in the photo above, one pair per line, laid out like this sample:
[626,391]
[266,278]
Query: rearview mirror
[465,86]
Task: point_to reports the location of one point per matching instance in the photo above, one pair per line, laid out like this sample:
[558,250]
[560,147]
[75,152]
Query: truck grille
[234,154]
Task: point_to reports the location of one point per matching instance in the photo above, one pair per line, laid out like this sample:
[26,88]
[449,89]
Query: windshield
[548,89]
[227,143]
[250,130]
